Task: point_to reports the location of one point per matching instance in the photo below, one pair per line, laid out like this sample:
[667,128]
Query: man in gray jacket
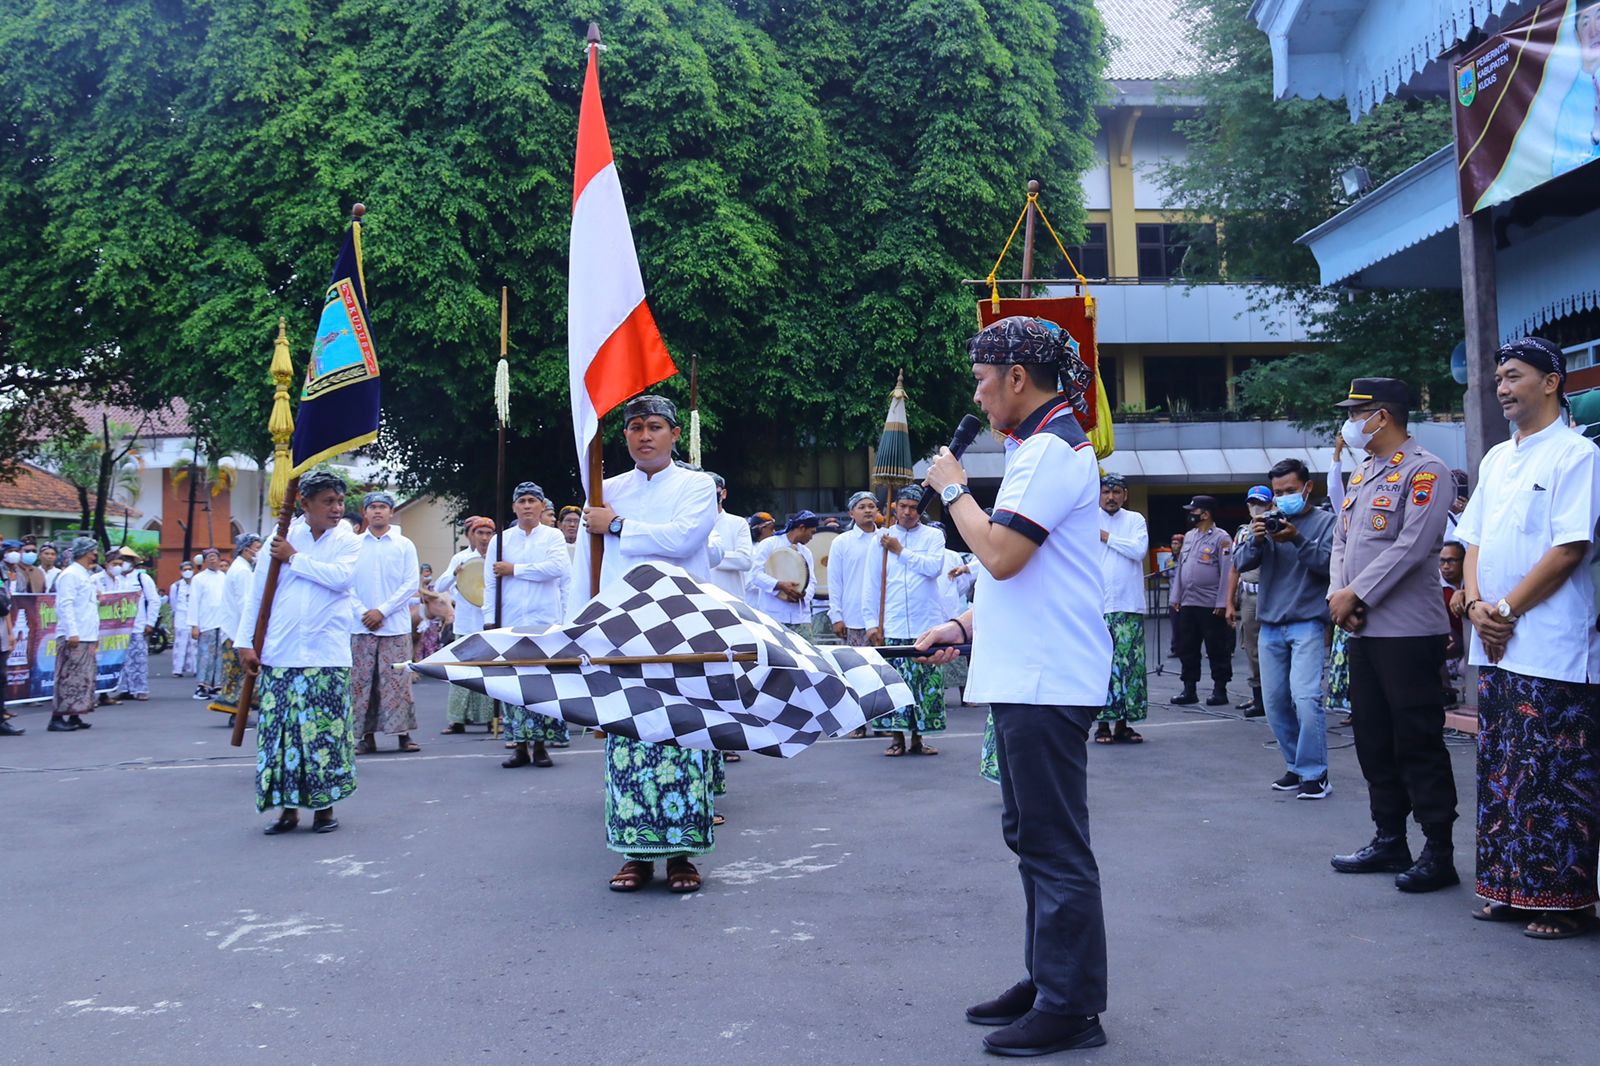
[1291,545]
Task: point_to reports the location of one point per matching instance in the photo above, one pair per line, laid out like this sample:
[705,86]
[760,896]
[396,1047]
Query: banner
[1075,314]
[31,663]
[1527,103]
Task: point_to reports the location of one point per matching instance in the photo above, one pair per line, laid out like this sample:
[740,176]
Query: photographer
[1290,545]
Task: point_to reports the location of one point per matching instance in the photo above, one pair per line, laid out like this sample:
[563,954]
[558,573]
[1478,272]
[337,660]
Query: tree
[97,464]
[1267,171]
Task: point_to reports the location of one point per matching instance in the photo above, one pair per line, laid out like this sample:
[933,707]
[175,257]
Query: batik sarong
[227,701]
[1538,790]
[135,679]
[184,652]
[380,695]
[209,672]
[658,799]
[428,638]
[75,674]
[719,773]
[1127,699]
[530,727]
[926,682]
[305,748]
[989,757]
[1339,671]
[468,707]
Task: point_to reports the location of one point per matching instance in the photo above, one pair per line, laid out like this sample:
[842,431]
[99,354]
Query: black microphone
[966,433]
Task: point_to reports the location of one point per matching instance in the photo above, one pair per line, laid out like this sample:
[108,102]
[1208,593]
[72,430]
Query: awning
[1400,235]
[1547,275]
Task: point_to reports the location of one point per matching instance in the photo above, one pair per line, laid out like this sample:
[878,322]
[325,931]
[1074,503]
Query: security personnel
[1384,591]
[1201,593]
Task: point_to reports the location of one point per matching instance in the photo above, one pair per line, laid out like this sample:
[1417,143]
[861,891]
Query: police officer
[1201,594]
[1384,591]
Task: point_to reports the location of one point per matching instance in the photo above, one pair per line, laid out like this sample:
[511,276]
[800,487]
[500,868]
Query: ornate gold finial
[280,425]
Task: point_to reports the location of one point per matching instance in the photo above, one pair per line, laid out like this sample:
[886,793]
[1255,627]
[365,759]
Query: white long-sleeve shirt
[235,590]
[730,554]
[386,579]
[77,605]
[764,587]
[208,592]
[535,591]
[310,624]
[469,616]
[847,572]
[105,581]
[181,596]
[953,590]
[1122,557]
[667,518]
[149,600]
[912,604]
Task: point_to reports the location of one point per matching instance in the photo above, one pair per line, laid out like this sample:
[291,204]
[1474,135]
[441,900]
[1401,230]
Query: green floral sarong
[468,707]
[989,758]
[530,727]
[1127,700]
[926,682]
[305,753]
[658,799]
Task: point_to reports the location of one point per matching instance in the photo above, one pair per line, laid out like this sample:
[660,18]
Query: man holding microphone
[1041,658]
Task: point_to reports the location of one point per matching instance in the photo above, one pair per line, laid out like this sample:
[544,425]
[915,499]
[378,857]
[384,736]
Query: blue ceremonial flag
[339,404]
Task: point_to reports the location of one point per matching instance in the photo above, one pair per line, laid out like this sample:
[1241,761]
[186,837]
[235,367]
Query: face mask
[188,574]
[1291,505]
[1193,518]
[1257,509]
[119,568]
[1355,435]
[29,558]
[13,558]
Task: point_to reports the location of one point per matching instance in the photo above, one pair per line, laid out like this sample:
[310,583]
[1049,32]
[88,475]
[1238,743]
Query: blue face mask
[29,558]
[1291,505]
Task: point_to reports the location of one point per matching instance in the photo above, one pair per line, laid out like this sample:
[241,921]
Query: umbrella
[658,657]
[891,464]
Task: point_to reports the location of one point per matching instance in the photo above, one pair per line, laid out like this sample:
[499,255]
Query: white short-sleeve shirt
[1039,637]
[1533,494]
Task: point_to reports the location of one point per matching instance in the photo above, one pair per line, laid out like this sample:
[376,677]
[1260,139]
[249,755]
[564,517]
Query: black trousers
[1202,625]
[1398,713]
[1044,782]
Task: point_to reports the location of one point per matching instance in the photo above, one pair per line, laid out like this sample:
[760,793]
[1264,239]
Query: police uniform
[1199,589]
[1385,549]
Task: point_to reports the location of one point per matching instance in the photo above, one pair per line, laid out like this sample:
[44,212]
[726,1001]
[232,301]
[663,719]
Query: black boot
[1388,853]
[1255,709]
[1189,695]
[1219,695]
[1434,869]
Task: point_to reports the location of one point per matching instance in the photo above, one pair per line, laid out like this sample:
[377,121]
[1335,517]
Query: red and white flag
[614,349]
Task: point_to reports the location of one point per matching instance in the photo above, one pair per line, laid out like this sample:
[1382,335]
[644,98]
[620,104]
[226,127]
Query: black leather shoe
[541,757]
[1189,696]
[9,730]
[518,758]
[324,821]
[1434,869]
[1255,708]
[1005,1008]
[1387,854]
[1218,697]
[77,723]
[1038,1033]
[287,822]
[60,725]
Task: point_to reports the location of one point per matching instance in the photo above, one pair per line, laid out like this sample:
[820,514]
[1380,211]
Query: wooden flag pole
[247,687]
[502,376]
[903,651]
[883,589]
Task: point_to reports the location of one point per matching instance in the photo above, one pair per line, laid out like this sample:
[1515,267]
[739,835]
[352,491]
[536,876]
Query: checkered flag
[764,689]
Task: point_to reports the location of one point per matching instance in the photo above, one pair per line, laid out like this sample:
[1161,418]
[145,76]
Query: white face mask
[13,558]
[187,574]
[1355,434]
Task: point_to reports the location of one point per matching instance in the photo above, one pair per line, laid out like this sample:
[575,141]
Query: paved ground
[855,906]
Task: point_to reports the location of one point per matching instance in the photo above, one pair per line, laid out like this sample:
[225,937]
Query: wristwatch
[1503,609]
[952,493]
[615,528]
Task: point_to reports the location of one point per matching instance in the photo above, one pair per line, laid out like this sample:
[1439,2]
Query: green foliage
[808,182]
[1268,171]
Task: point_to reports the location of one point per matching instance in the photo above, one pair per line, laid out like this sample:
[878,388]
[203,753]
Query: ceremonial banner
[31,663]
[1075,315]
[614,350]
[1527,103]
[788,697]
[339,403]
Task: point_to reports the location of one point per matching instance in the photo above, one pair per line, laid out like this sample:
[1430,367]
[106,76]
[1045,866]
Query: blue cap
[8,544]
[1259,492]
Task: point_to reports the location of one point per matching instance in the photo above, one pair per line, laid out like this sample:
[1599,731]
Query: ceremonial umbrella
[658,657]
[891,463]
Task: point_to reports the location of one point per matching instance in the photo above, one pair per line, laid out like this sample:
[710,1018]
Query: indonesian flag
[614,350]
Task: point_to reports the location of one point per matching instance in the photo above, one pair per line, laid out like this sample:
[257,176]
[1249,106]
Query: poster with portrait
[31,663]
[1527,103]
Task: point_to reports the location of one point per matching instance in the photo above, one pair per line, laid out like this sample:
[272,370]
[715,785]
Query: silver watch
[952,493]
[1503,609]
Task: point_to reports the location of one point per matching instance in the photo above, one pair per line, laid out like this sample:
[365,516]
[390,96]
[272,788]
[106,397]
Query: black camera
[1273,521]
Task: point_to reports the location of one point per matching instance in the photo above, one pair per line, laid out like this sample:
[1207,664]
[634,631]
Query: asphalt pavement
[854,906]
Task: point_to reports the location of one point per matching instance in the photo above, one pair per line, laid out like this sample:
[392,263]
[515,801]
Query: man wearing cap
[762,525]
[528,578]
[570,522]
[387,576]
[236,584]
[731,552]
[787,601]
[181,598]
[19,577]
[1384,591]
[1041,657]
[1201,594]
[206,613]
[464,706]
[1244,587]
[656,512]
[902,602]
[1124,546]
[1529,532]
[77,638]
[134,680]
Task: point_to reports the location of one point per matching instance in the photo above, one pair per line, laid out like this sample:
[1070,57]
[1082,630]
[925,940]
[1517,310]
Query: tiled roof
[1150,40]
[37,491]
[169,421]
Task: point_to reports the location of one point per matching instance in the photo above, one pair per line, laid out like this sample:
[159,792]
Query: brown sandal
[1126,735]
[919,748]
[454,727]
[717,819]
[1102,733]
[895,750]
[366,746]
[731,756]
[633,876]
[407,744]
[682,876]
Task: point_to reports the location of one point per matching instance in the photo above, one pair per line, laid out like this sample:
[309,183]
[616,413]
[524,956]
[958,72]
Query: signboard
[1527,103]
[31,664]
[1075,314]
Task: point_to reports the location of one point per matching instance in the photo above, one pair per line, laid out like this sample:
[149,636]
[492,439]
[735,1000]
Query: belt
[1251,587]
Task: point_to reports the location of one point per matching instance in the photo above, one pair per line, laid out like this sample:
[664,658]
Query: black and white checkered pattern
[779,705]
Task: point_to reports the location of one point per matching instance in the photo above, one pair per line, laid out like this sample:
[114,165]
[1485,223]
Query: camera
[1273,521]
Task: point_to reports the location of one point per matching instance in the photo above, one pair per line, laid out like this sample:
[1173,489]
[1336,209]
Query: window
[1180,385]
[1163,246]
[1093,256]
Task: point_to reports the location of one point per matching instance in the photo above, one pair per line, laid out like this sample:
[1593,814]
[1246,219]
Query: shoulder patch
[1423,477]
[1397,457]
[1393,478]
[1421,495]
